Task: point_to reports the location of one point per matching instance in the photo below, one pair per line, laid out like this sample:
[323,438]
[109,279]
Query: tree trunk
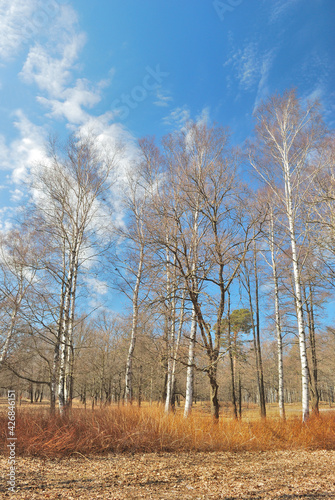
[11,329]
[278,324]
[239,397]
[69,367]
[259,363]
[170,337]
[214,402]
[64,336]
[129,365]
[231,362]
[298,297]
[190,365]
[311,328]
[176,348]
[140,388]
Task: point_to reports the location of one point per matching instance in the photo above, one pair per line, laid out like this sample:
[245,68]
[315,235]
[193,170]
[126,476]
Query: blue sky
[130,68]
[138,67]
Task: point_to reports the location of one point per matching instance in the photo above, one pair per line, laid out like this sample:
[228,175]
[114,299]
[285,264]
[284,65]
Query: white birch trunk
[290,136]
[298,296]
[129,364]
[64,336]
[9,334]
[69,347]
[55,364]
[180,327]
[17,304]
[190,366]
[278,325]
[171,324]
[171,348]
[193,332]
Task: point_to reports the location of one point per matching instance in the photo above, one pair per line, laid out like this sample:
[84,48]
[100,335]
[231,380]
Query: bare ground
[231,476]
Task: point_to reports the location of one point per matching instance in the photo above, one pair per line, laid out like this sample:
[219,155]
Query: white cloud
[24,20]
[23,152]
[279,8]
[5,224]
[263,89]
[251,69]
[13,25]
[163,98]
[246,64]
[111,135]
[178,117]
[114,138]
[4,153]
[96,286]
[52,74]
[51,68]
[316,94]
[16,195]
[50,65]
[203,118]
[316,70]
[72,101]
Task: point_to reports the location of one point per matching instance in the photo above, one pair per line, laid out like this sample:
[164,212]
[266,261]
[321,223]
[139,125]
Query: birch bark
[288,138]
[129,363]
[277,320]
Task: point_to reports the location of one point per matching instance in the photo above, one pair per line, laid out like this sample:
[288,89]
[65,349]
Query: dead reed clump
[133,429]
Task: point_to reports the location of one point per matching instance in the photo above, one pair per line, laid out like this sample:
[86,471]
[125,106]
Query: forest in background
[221,257]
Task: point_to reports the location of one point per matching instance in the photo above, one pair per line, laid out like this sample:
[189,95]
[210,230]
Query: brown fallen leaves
[288,475]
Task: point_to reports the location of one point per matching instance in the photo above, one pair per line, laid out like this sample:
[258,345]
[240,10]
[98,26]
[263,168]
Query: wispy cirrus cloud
[248,64]
[278,8]
[13,16]
[263,87]
[163,98]
[178,117]
[249,69]
[24,21]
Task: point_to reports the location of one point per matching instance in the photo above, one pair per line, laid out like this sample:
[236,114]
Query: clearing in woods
[132,453]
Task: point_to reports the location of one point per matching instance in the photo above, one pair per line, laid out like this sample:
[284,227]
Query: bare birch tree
[69,198]
[288,136]
[18,264]
[209,238]
[274,252]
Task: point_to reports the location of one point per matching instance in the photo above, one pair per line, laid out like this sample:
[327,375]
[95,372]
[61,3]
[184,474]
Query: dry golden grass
[148,429]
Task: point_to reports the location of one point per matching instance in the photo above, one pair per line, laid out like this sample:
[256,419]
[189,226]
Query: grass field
[147,429]
[132,453]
